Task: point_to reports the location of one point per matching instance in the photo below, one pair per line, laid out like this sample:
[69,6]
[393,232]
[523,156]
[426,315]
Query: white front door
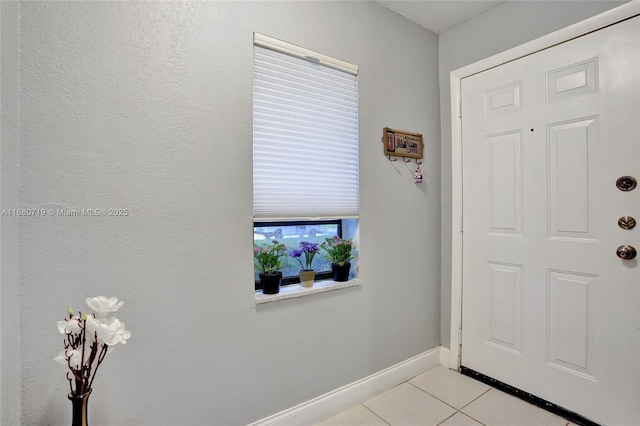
[548,305]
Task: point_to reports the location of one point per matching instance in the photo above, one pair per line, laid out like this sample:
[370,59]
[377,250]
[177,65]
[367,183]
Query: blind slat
[305,139]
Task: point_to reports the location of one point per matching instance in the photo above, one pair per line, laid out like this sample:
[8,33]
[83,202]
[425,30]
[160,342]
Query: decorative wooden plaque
[402,144]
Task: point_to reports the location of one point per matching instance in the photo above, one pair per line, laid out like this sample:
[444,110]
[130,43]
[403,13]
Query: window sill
[296,290]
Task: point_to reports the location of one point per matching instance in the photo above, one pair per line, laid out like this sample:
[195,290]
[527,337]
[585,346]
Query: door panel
[573,168]
[504,160]
[548,306]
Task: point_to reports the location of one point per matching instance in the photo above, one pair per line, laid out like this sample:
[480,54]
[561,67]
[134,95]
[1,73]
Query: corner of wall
[10,365]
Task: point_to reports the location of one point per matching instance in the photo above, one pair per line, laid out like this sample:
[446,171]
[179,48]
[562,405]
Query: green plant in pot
[268,260]
[339,252]
[309,250]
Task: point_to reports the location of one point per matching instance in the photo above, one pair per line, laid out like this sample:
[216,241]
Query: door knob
[626,252]
[627,222]
[626,183]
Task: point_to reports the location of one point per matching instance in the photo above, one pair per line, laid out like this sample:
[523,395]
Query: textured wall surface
[147,106]
[9,302]
[506,26]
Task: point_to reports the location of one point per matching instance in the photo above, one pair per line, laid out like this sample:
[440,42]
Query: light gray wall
[506,26]
[9,299]
[147,106]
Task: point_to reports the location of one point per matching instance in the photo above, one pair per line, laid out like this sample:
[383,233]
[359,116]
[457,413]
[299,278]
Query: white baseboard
[331,403]
[445,355]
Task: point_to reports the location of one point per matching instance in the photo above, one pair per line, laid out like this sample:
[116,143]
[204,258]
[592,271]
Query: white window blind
[305,134]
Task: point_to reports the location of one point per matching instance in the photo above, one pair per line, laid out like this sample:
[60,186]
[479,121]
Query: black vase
[271,282]
[340,272]
[80,409]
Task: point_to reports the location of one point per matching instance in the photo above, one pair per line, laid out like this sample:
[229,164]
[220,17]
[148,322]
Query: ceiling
[439,15]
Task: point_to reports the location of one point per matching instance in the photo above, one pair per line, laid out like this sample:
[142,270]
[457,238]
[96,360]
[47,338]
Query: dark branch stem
[103,353]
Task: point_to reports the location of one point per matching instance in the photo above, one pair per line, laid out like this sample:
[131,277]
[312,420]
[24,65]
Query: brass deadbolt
[627,222]
[626,183]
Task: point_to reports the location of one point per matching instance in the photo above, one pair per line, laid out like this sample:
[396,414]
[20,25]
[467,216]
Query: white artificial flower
[74,356]
[61,358]
[70,326]
[102,305]
[92,328]
[91,334]
[110,331]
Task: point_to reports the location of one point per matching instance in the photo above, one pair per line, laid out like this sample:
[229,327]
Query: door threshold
[526,396]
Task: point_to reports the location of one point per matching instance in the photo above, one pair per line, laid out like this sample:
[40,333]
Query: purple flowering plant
[268,259]
[338,251]
[307,249]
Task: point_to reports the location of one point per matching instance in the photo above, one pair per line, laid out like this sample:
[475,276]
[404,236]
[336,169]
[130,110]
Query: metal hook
[395,159]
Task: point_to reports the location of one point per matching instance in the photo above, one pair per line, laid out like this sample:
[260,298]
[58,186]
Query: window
[292,233]
[305,142]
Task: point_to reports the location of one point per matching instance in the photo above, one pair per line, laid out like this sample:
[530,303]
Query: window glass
[292,234]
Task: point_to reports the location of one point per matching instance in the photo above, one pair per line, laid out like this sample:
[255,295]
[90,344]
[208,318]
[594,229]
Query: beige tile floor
[444,397]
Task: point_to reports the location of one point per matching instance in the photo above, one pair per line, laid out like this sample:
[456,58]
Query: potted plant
[309,250]
[339,252]
[268,259]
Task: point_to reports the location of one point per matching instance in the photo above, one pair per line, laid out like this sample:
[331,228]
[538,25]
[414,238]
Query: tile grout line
[458,410]
[448,418]
[464,414]
[475,399]
[433,396]
[444,402]
[375,414]
[471,402]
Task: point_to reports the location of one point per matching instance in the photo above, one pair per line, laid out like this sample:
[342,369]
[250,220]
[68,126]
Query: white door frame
[612,16]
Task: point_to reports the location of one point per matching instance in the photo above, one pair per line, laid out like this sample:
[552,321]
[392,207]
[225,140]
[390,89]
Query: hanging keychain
[417,175]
